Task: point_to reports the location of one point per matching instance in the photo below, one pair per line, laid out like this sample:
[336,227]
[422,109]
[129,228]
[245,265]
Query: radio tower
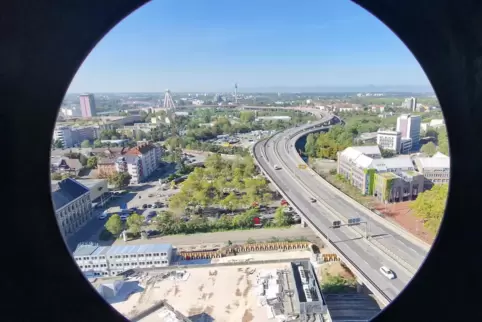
[168,102]
[236,93]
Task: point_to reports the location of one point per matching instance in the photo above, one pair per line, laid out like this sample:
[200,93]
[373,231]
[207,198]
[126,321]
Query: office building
[389,140]
[87,105]
[410,104]
[95,260]
[72,204]
[409,127]
[436,169]
[392,176]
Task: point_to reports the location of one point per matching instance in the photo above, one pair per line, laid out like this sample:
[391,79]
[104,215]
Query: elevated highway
[387,244]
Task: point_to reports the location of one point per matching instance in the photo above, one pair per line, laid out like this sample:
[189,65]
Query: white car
[103,216]
[388,273]
[277,167]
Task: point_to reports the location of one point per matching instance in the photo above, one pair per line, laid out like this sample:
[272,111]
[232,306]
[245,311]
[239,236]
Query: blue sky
[208,45]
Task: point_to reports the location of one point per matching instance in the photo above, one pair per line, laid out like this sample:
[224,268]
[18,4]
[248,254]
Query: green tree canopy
[281,217]
[85,144]
[429,149]
[92,162]
[430,206]
[134,223]
[119,179]
[114,225]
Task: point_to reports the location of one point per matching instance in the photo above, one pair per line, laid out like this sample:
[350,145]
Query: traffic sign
[336,224]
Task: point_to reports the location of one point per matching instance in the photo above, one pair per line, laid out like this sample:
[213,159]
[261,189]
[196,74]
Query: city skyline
[278,45]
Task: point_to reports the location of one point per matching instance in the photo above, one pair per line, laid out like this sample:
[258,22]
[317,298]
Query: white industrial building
[436,169]
[389,140]
[95,260]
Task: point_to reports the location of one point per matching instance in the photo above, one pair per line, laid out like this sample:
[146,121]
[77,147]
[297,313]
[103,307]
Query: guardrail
[371,285]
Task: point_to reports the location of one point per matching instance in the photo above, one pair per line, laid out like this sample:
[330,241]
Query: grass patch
[338,284]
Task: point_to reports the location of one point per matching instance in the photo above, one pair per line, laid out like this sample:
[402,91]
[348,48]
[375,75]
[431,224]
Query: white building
[436,169]
[140,162]
[96,260]
[389,140]
[410,103]
[72,203]
[409,126]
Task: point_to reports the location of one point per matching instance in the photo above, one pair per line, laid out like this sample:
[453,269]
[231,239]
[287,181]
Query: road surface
[299,185]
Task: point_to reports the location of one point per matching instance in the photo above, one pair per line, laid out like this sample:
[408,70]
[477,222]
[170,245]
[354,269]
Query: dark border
[42,45]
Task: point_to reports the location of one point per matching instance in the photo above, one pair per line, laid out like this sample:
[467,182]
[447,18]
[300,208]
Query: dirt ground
[401,214]
[335,269]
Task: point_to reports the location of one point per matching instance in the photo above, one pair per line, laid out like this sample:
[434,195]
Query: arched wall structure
[45,43]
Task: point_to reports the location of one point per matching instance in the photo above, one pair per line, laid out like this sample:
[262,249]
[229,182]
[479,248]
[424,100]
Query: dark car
[151,214]
[149,206]
[152,233]
[144,206]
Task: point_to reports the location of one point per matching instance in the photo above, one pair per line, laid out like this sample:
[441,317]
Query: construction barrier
[235,249]
[330,257]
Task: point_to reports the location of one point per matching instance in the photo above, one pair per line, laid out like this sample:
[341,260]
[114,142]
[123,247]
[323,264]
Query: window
[94,257]
[133,256]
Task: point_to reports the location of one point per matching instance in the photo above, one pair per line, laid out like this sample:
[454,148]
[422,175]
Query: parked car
[152,233]
[144,206]
[103,216]
[388,273]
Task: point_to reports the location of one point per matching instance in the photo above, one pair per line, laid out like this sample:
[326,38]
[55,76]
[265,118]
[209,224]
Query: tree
[281,218]
[429,149]
[58,144]
[443,141]
[134,223]
[98,143]
[119,179]
[430,206]
[92,162]
[55,176]
[85,144]
[387,153]
[114,225]
[247,117]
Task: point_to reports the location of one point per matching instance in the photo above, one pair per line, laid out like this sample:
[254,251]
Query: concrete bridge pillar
[359,286]
[303,223]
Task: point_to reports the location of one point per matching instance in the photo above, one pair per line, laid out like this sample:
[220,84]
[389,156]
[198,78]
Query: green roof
[388,175]
[412,173]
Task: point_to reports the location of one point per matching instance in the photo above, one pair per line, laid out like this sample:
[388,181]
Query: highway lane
[350,242]
[398,245]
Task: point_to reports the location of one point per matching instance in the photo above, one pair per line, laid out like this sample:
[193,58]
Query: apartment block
[95,260]
[87,105]
[389,140]
[72,204]
[436,169]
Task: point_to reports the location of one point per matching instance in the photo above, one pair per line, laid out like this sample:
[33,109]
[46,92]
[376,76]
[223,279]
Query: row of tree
[430,206]
[169,224]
